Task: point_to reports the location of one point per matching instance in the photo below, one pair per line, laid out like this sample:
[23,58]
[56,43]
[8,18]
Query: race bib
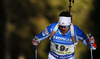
[62,49]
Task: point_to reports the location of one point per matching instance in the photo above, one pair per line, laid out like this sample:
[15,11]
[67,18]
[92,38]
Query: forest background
[21,20]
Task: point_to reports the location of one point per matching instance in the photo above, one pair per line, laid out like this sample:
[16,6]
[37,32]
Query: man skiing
[64,37]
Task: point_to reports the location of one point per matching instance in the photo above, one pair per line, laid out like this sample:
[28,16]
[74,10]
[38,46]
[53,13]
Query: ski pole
[35,51]
[36,43]
[91,54]
[89,35]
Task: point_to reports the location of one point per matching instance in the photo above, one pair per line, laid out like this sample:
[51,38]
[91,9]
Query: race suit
[62,46]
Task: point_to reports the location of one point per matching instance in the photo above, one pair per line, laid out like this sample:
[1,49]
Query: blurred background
[21,20]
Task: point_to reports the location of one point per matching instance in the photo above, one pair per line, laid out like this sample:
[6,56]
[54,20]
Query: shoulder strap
[54,31]
[72,32]
[71,28]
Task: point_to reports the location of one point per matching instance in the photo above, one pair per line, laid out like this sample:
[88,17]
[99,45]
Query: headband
[64,21]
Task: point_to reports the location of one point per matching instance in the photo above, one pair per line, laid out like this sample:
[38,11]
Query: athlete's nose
[63,28]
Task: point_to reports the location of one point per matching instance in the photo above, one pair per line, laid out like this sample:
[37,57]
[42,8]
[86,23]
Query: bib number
[61,48]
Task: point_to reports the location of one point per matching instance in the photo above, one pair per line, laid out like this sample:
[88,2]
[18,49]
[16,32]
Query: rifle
[70,5]
[73,37]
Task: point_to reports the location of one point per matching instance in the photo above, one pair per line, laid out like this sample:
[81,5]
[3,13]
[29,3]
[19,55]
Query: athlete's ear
[58,27]
[71,18]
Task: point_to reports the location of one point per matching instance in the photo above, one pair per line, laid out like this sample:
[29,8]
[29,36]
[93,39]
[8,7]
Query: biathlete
[64,37]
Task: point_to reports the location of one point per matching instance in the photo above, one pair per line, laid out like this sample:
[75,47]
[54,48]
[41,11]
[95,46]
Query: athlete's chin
[63,32]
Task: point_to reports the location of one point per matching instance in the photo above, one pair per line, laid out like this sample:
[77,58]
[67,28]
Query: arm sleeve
[45,33]
[80,34]
[83,38]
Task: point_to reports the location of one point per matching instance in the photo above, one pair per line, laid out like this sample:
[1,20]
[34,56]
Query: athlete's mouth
[63,31]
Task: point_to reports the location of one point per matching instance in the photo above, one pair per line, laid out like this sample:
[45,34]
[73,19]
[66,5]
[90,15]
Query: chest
[62,39]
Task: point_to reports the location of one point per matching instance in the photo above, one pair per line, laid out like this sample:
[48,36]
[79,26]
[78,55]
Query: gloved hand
[35,41]
[92,41]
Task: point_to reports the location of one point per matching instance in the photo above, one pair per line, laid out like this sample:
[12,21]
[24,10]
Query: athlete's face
[64,29]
